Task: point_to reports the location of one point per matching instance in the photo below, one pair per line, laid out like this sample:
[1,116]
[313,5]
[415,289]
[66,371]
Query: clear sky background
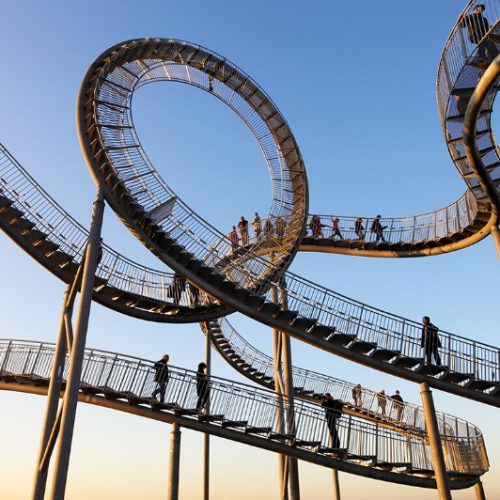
[356,82]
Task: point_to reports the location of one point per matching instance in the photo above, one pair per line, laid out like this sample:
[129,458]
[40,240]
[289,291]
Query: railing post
[6,357]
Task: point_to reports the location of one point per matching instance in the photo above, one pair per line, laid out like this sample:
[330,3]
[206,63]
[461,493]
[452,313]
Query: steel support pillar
[431,426]
[336,484]
[286,357]
[495,234]
[52,403]
[174,467]
[479,491]
[206,437]
[280,410]
[61,463]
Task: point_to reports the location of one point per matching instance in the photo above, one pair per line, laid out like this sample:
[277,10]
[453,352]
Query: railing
[133,378]
[250,270]
[384,407]
[51,219]
[454,73]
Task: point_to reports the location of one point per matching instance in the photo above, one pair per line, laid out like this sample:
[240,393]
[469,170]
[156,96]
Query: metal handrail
[410,415]
[132,378]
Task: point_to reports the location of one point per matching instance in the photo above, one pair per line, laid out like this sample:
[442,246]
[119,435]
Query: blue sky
[356,82]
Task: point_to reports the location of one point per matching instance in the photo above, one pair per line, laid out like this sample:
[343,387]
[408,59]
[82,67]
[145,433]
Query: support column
[280,410]
[174,468]
[52,403]
[435,442]
[286,351]
[206,436]
[479,491]
[495,234]
[61,463]
[336,484]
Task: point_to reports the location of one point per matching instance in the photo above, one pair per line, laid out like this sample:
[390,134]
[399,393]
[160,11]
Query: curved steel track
[245,280]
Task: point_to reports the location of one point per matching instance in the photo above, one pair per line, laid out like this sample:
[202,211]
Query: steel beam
[174,465]
[435,442]
[61,463]
[206,437]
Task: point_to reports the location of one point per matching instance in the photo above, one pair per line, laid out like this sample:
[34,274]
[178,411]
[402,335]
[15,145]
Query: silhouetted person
[243,230]
[356,394]
[268,227]
[333,411]
[359,229]
[233,237]
[202,387]
[462,103]
[336,229]
[315,226]
[382,401]
[398,404]
[257,226]
[194,294]
[378,229]
[430,341]
[280,227]
[178,286]
[477,26]
[161,378]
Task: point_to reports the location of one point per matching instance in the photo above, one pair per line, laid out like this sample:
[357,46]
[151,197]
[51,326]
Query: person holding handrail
[202,387]
[161,378]
[356,394]
[430,341]
[477,26]
[333,411]
[378,229]
[336,229]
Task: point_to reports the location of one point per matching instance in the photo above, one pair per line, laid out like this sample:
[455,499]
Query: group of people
[239,235]
[397,403]
[377,228]
[161,378]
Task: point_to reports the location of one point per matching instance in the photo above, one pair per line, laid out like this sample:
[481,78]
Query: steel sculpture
[253,279]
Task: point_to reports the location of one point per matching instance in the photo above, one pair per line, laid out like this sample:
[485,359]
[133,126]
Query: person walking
[268,228]
[477,26]
[398,404]
[202,387]
[430,341]
[233,237]
[382,401]
[315,226]
[378,229]
[359,229]
[257,226]
[243,230]
[333,411]
[161,378]
[178,286]
[336,229]
[280,227]
[356,394]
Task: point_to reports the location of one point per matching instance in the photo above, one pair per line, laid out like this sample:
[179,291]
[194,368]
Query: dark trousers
[202,399]
[429,352]
[332,428]
[487,50]
[161,388]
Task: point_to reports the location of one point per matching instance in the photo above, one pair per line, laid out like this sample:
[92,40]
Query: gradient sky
[356,82]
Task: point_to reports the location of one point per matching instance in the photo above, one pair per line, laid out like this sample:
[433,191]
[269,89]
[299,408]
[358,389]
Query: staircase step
[257,430]
[186,411]
[234,423]
[278,436]
[456,378]
[341,339]
[384,354]
[309,444]
[286,316]
[269,309]
[362,346]
[392,465]
[211,418]
[432,370]
[480,385]
[407,362]
[321,331]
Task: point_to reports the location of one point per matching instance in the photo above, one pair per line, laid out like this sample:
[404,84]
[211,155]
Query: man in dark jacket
[477,26]
[161,378]
[202,387]
[378,229]
[430,341]
[398,404]
[333,411]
